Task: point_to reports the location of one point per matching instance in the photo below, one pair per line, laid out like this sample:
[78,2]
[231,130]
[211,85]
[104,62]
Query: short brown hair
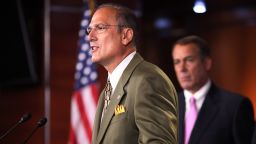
[204,49]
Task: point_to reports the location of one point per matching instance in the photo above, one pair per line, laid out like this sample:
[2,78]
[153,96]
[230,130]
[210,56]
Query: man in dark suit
[254,135]
[207,113]
[139,103]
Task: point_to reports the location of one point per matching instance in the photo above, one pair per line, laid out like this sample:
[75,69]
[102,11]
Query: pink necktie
[190,119]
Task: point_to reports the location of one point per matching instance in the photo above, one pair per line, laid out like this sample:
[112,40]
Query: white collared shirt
[199,96]
[118,71]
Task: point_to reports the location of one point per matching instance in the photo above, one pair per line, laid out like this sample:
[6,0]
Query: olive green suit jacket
[150,108]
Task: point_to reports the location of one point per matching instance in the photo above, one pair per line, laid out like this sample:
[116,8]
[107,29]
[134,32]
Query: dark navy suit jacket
[224,118]
[254,135]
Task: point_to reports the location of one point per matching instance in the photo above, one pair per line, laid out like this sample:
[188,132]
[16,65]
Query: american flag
[85,96]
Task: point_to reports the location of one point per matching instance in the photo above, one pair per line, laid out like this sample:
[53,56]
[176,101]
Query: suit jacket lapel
[117,96]
[97,120]
[182,107]
[115,99]
[206,115]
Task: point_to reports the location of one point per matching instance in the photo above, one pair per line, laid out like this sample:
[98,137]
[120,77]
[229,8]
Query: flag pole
[47,90]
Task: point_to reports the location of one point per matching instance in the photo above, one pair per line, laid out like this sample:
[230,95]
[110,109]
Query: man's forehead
[190,47]
[106,11]
[105,14]
[185,50]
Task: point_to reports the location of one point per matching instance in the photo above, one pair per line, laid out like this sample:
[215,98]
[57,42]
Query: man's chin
[186,86]
[94,59]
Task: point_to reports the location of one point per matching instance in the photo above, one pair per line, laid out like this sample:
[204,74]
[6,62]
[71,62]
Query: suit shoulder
[149,68]
[231,98]
[230,95]
[146,71]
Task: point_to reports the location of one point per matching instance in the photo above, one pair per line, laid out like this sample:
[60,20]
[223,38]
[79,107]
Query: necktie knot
[192,101]
[108,86]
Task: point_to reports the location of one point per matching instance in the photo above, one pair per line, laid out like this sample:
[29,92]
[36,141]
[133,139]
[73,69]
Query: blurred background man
[208,114]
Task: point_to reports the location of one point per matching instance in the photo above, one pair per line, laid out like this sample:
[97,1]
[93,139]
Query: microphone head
[25,117]
[42,122]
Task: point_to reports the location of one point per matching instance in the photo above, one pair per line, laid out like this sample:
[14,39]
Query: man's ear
[208,63]
[127,35]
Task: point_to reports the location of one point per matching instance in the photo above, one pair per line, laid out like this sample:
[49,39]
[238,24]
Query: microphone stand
[9,130]
[24,118]
[40,123]
[30,135]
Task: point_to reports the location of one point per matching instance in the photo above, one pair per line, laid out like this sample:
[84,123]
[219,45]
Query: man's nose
[183,67]
[91,36]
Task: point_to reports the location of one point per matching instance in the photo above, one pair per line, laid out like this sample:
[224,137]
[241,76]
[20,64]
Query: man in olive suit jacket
[140,103]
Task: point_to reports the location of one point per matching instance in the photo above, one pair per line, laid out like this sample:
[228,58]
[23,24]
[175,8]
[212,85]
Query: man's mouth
[185,78]
[93,48]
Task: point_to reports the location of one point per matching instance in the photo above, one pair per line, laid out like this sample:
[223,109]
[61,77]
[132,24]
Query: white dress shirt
[118,71]
[199,96]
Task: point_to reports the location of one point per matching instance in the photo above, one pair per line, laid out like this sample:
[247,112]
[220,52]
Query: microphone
[23,119]
[40,123]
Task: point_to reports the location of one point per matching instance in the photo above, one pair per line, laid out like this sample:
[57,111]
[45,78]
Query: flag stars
[93,76]
[81,56]
[84,80]
[84,23]
[87,71]
[86,38]
[79,66]
[88,62]
[87,13]
[85,47]
[81,32]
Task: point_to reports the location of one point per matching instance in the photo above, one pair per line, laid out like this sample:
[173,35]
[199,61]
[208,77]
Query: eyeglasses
[100,28]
